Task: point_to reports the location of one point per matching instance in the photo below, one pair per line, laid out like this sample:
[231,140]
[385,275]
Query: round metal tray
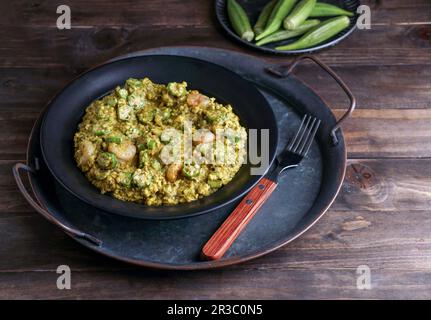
[303,195]
[253,9]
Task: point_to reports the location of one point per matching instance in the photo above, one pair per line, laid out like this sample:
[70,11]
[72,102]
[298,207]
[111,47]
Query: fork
[291,157]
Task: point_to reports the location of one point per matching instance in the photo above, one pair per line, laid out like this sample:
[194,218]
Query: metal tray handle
[287,70]
[70,230]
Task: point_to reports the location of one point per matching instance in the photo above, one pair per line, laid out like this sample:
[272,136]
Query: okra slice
[141,178]
[191,171]
[107,160]
[121,92]
[114,139]
[124,112]
[177,89]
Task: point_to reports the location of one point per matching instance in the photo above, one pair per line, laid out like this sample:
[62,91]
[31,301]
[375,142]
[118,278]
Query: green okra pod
[280,11]
[114,139]
[299,14]
[239,20]
[318,34]
[328,10]
[288,34]
[263,17]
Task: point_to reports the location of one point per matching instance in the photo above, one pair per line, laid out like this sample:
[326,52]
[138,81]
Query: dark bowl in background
[253,9]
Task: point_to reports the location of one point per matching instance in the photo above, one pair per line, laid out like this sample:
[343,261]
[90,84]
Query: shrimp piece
[87,152]
[125,151]
[195,99]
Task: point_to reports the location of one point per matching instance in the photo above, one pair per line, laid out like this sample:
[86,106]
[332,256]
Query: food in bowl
[159,144]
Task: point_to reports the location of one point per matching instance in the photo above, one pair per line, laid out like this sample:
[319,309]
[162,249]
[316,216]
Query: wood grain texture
[370,133]
[375,87]
[85,47]
[400,33]
[188,14]
[388,133]
[377,220]
[381,217]
[264,281]
[15,130]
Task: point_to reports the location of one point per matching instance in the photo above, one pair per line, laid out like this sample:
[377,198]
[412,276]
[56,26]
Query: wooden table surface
[381,218]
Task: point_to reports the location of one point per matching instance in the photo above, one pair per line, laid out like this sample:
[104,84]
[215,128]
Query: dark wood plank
[377,220]
[81,48]
[374,86]
[398,35]
[370,133]
[111,13]
[31,88]
[10,198]
[388,133]
[386,185]
[15,130]
[396,4]
[269,282]
[401,12]
[173,13]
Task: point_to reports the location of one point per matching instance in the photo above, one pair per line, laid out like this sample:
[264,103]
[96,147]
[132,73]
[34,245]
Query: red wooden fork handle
[223,238]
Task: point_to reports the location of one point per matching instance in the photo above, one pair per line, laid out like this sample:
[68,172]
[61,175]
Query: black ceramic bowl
[253,9]
[65,111]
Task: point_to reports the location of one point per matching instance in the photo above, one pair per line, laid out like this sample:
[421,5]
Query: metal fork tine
[298,147]
[302,135]
[292,142]
[310,139]
[305,138]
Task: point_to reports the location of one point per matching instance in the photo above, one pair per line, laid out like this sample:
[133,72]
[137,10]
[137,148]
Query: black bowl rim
[327,44]
[255,179]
